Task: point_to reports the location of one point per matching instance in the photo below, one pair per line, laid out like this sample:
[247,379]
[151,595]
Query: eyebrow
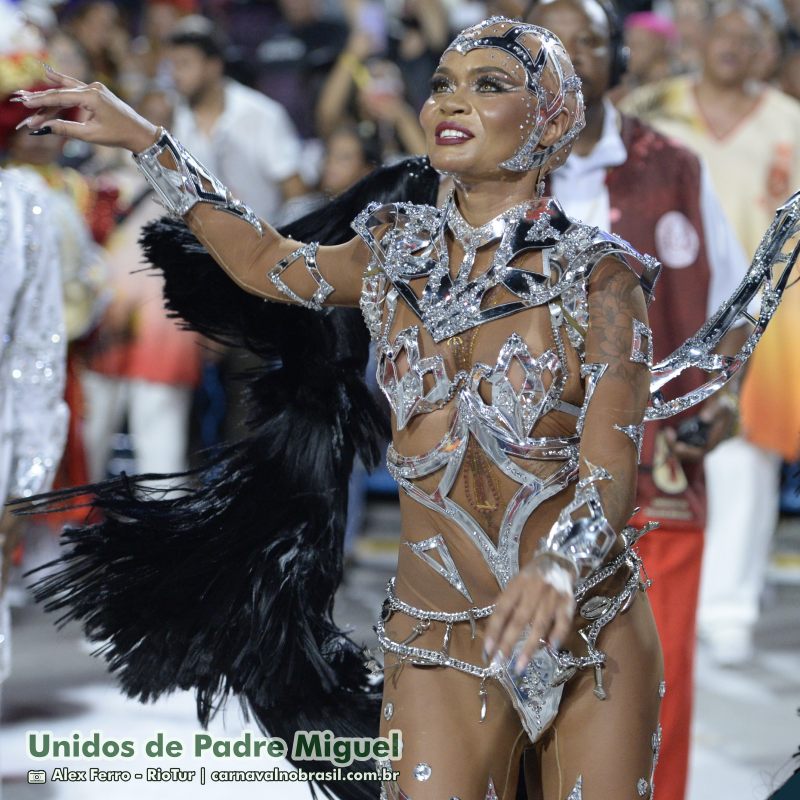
[477,71]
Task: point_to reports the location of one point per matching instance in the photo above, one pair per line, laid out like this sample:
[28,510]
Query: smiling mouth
[450,134]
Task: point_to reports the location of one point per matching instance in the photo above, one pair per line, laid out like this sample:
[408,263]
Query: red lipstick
[452,133]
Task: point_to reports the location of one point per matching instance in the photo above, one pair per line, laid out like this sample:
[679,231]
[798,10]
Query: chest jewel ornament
[452,304]
[413,245]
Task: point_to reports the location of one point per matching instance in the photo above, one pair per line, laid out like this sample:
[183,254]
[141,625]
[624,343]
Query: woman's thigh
[448,752]
[606,749]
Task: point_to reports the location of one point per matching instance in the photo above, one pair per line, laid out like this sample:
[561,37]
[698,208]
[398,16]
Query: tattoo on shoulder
[615,298]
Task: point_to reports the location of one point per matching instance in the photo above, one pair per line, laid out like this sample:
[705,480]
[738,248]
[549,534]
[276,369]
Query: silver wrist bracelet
[189,183]
[584,541]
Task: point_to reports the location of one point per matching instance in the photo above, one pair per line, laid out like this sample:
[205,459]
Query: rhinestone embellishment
[422,771]
[447,569]
[577,792]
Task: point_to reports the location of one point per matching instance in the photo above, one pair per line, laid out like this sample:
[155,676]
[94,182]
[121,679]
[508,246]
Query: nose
[454,102]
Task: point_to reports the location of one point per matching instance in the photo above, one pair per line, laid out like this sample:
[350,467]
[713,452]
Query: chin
[444,159]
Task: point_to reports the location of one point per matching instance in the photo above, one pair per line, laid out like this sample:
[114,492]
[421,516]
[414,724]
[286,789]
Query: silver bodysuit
[412,248]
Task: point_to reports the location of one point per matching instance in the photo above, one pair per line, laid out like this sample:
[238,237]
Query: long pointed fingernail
[24,122]
[498,659]
[17,99]
[41,131]
[488,647]
[47,67]
[522,662]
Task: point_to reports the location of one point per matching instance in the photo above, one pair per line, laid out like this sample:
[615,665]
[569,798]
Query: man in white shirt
[241,135]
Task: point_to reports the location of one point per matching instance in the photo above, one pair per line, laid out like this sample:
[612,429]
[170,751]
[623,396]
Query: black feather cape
[228,589]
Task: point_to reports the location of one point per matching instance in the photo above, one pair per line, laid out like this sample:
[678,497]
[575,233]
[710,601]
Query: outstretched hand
[540,599]
[106,119]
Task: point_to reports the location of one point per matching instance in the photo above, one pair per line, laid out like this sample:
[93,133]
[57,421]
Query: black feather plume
[227,587]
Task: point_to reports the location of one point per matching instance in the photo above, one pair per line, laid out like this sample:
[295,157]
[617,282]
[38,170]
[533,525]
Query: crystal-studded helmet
[550,78]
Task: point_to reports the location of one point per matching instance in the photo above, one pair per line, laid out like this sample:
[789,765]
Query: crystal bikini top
[413,246]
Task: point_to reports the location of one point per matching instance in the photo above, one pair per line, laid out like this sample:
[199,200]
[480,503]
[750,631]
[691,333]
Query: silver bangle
[308,252]
[181,188]
[583,541]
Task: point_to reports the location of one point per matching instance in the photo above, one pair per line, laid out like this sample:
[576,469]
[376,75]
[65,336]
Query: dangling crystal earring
[540,189]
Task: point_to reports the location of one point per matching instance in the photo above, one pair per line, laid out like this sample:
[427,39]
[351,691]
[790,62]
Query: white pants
[5,649]
[158,421]
[743,505]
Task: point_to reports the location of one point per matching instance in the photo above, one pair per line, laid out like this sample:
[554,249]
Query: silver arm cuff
[180,189]
[585,540]
[308,252]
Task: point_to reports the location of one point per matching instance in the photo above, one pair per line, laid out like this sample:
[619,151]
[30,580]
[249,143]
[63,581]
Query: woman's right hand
[107,120]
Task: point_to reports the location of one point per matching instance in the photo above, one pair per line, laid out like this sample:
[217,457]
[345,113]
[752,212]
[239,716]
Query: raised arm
[251,251]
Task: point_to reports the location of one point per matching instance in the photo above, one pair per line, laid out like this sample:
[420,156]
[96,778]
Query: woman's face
[479,113]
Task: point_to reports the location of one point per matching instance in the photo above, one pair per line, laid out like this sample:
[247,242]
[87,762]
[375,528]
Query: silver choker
[471,238]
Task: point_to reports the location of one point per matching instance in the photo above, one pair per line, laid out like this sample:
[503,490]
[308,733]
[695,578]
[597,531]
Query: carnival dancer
[514,351]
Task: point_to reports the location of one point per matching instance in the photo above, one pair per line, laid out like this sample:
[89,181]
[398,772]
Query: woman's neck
[482,200]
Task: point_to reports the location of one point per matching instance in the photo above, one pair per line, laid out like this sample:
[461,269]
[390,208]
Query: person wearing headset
[625,177]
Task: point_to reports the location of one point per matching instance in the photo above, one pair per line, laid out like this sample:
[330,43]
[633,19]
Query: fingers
[688,452]
[553,622]
[39,118]
[62,80]
[565,613]
[516,610]
[721,429]
[525,614]
[531,609]
[84,97]
[504,608]
[681,450]
[69,129]
[539,629]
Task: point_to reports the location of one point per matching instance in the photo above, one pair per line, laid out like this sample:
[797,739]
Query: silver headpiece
[549,78]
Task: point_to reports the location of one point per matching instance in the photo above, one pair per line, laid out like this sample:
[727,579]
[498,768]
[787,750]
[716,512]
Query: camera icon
[37,776]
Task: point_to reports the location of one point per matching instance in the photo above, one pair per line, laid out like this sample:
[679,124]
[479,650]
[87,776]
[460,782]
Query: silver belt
[536,694]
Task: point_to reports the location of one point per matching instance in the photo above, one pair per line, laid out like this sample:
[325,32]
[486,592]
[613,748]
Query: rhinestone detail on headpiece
[529,156]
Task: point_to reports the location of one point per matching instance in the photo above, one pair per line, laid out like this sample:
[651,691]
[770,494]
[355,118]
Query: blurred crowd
[290,102]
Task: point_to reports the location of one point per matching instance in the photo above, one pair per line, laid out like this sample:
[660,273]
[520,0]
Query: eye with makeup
[440,84]
[483,84]
[489,83]
[591,42]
